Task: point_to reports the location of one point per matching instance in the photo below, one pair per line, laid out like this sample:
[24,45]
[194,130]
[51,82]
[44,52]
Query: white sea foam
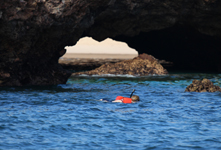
[119,75]
[115,75]
[109,75]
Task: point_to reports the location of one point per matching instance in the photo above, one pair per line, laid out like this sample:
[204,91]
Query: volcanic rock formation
[139,66]
[204,85]
[35,32]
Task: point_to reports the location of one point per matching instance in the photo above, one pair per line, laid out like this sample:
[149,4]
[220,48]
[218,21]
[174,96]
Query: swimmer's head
[135,98]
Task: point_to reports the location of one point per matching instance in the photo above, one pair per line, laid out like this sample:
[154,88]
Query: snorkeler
[121,99]
[132,99]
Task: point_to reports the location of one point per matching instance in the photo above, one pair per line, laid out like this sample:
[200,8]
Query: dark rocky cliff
[35,32]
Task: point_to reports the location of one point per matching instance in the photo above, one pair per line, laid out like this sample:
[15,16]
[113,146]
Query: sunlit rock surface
[35,32]
[139,66]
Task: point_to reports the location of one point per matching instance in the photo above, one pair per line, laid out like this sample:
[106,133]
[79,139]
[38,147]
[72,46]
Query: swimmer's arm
[117,101]
[103,100]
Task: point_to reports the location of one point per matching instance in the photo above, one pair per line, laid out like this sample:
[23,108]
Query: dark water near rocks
[70,117]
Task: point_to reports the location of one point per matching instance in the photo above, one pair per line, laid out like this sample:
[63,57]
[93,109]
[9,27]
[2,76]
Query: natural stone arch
[35,32]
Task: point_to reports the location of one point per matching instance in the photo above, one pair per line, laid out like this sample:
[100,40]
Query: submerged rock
[204,85]
[142,65]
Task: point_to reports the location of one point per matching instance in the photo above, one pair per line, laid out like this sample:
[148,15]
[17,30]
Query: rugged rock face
[35,32]
[204,85]
[139,66]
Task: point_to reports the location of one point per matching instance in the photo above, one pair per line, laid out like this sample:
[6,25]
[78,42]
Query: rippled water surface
[71,117]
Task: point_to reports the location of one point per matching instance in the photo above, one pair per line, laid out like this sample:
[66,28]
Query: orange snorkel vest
[124,99]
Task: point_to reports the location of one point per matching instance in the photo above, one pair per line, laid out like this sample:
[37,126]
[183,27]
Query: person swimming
[121,99]
[132,99]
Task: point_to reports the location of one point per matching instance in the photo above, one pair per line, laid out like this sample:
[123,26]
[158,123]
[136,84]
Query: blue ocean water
[72,117]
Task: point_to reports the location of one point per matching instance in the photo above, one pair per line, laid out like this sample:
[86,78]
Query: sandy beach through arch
[87,48]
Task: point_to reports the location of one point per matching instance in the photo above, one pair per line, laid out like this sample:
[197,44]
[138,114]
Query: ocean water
[72,117]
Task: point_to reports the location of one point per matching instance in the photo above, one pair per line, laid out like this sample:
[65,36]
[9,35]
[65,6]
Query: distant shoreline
[99,55]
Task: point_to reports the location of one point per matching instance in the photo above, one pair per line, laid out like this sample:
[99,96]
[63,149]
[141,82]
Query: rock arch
[35,32]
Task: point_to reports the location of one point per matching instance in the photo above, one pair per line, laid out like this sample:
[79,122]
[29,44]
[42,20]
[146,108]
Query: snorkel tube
[132,93]
[125,99]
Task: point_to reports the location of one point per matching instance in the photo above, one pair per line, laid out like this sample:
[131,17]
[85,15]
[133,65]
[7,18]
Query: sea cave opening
[88,54]
[182,48]
[186,48]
